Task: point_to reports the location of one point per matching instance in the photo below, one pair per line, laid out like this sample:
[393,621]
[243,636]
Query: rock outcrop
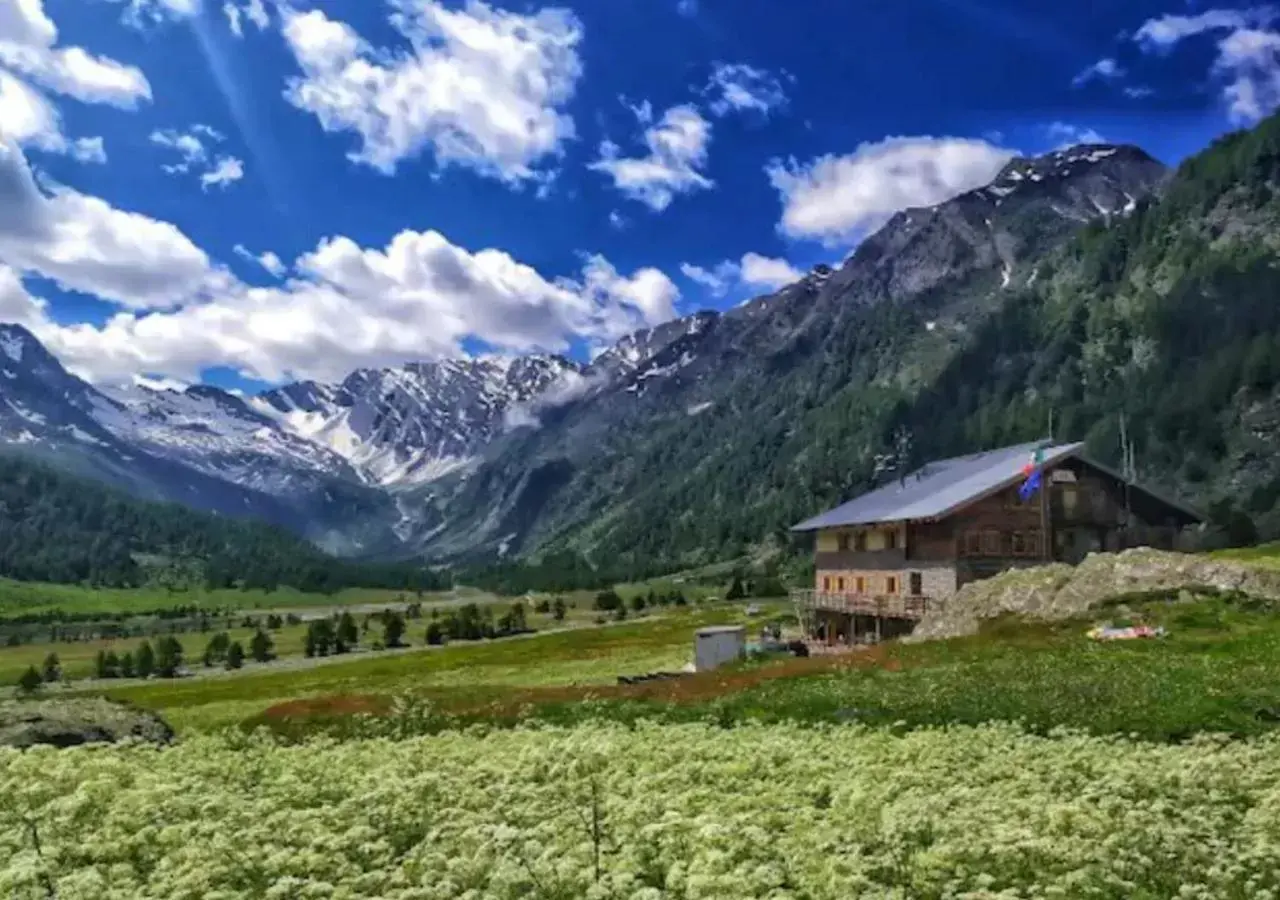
[69,722]
[1060,591]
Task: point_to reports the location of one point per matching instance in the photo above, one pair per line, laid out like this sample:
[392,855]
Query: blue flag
[1030,485]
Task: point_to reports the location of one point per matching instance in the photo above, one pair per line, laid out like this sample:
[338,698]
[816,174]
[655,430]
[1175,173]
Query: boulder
[71,721]
[1060,591]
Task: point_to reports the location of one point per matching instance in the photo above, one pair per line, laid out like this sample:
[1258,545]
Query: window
[891,539]
[917,584]
[826,583]
[840,584]
[861,584]
[842,541]
[1033,543]
[972,543]
[1018,543]
[891,585]
[990,542]
[860,541]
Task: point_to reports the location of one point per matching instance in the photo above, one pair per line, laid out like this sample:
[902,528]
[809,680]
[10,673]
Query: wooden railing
[885,606]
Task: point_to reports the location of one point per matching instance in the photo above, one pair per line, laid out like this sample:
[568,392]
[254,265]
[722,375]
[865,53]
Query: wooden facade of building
[880,566]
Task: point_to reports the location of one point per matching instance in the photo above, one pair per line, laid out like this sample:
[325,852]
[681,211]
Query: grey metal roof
[939,488]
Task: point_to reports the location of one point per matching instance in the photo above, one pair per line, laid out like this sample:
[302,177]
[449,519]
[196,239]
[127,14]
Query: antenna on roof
[1051,424]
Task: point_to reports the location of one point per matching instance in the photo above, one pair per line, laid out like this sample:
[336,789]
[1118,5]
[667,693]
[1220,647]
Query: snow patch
[12,346]
[699,408]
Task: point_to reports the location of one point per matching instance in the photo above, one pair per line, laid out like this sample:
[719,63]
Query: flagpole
[1044,515]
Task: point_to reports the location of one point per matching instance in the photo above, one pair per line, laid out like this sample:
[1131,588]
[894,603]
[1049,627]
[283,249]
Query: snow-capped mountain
[447,456]
[420,421]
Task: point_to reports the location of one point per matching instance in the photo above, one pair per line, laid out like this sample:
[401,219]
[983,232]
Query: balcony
[883,606]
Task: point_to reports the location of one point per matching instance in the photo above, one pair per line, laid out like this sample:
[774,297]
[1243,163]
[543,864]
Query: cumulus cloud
[479,87]
[348,306]
[752,271]
[28,40]
[840,199]
[738,87]
[1247,66]
[1103,70]
[84,244]
[194,156]
[418,297]
[677,150]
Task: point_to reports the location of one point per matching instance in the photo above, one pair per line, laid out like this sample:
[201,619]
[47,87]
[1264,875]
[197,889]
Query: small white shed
[720,644]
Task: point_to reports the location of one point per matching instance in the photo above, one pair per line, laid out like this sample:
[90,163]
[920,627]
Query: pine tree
[260,646]
[348,631]
[393,630]
[127,666]
[52,669]
[235,655]
[145,660]
[30,681]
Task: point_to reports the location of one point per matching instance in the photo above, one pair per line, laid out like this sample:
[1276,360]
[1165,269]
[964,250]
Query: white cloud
[195,156]
[738,87]
[227,170]
[840,199]
[253,10]
[1103,70]
[617,220]
[1068,135]
[417,298]
[1164,32]
[16,305]
[1138,91]
[764,271]
[420,296]
[1248,61]
[479,87]
[717,280]
[89,150]
[84,244]
[268,260]
[677,146]
[139,13]
[687,8]
[753,271]
[27,47]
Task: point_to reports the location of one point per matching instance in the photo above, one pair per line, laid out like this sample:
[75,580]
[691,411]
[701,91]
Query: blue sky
[254,191]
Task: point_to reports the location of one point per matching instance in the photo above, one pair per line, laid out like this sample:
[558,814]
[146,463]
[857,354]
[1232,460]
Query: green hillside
[58,528]
[1168,315]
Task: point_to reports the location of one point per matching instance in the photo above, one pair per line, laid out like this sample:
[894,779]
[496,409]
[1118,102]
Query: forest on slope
[60,528]
[1167,315]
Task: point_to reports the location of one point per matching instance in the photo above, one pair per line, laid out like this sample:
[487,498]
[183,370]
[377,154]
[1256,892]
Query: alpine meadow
[667,450]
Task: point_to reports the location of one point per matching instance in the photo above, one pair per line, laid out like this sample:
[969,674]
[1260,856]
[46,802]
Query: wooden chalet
[889,556]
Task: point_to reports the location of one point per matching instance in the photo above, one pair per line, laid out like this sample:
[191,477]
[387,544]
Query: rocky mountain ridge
[462,457]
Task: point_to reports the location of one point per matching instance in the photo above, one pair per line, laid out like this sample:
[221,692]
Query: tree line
[59,528]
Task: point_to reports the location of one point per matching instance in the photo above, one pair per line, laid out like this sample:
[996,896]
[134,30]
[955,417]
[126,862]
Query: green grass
[1218,670]
[35,598]
[584,656]
[1264,555]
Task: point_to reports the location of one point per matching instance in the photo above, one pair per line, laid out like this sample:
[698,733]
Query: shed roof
[940,488]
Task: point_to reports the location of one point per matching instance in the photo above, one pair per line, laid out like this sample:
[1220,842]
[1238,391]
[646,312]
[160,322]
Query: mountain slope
[58,528]
[1165,312]
[732,431]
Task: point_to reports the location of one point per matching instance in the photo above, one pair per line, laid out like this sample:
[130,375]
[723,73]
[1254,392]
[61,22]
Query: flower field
[654,811]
